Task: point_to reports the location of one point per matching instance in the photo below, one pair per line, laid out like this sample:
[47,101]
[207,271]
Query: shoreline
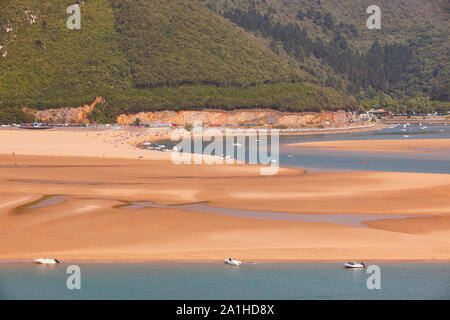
[288,132]
[406,146]
[212,261]
[117,142]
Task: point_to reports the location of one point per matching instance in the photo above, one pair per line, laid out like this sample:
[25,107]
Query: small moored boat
[354,265]
[232,262]
[46,261]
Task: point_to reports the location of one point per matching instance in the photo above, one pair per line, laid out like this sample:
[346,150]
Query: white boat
[237,144]
[232,262]
[46,261]
[354,265]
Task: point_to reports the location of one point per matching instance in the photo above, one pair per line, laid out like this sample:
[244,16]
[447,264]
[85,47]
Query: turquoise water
[267,280]
[329,160]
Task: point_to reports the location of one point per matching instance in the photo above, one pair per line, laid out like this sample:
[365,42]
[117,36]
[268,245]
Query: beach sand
[90,225]
[408,145]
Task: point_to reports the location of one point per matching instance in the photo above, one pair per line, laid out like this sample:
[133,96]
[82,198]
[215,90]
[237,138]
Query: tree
[11,115]
[328,21]
[137,122]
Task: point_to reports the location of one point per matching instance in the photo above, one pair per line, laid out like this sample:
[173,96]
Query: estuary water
[332,160]
[207,280]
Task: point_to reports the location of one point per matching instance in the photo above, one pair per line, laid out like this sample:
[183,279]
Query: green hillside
[193,54]
[48,65]
[281,96]
[126,50]
[171,43]
[407,58]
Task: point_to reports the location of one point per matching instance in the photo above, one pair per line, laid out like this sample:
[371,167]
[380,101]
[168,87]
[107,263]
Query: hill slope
[407,57]
[137,54]
[46,64]
[186,44]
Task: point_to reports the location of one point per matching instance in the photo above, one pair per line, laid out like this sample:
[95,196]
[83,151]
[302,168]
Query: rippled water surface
[326,160]
[253,280]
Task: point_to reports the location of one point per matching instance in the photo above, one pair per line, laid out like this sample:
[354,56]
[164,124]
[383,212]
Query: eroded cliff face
[240,117]
[65,115]
[209,117]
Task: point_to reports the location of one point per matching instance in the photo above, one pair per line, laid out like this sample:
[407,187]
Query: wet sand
[91,223]
[406,145]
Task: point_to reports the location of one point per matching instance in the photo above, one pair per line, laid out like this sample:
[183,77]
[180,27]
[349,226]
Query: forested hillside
[144,55]
[173,43]
[406,59]
[294,55]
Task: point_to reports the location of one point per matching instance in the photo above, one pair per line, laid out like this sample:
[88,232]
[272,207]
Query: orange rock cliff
[211,117]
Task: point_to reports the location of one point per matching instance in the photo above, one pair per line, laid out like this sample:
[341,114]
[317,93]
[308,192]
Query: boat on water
[354,265]
[46,261]
[232,262]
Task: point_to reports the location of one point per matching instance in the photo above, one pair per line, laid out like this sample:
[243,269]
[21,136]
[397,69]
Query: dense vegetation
[407,58]
[280,96]
[171,43]
[382,68]
[184,54]
[14,115]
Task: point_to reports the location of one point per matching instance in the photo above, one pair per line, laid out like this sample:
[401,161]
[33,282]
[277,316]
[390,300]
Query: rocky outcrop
[65,115]
[240,117]
[209,117]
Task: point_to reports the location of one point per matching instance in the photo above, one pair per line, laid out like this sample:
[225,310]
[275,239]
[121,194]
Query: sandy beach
[408,145]
[94,173]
